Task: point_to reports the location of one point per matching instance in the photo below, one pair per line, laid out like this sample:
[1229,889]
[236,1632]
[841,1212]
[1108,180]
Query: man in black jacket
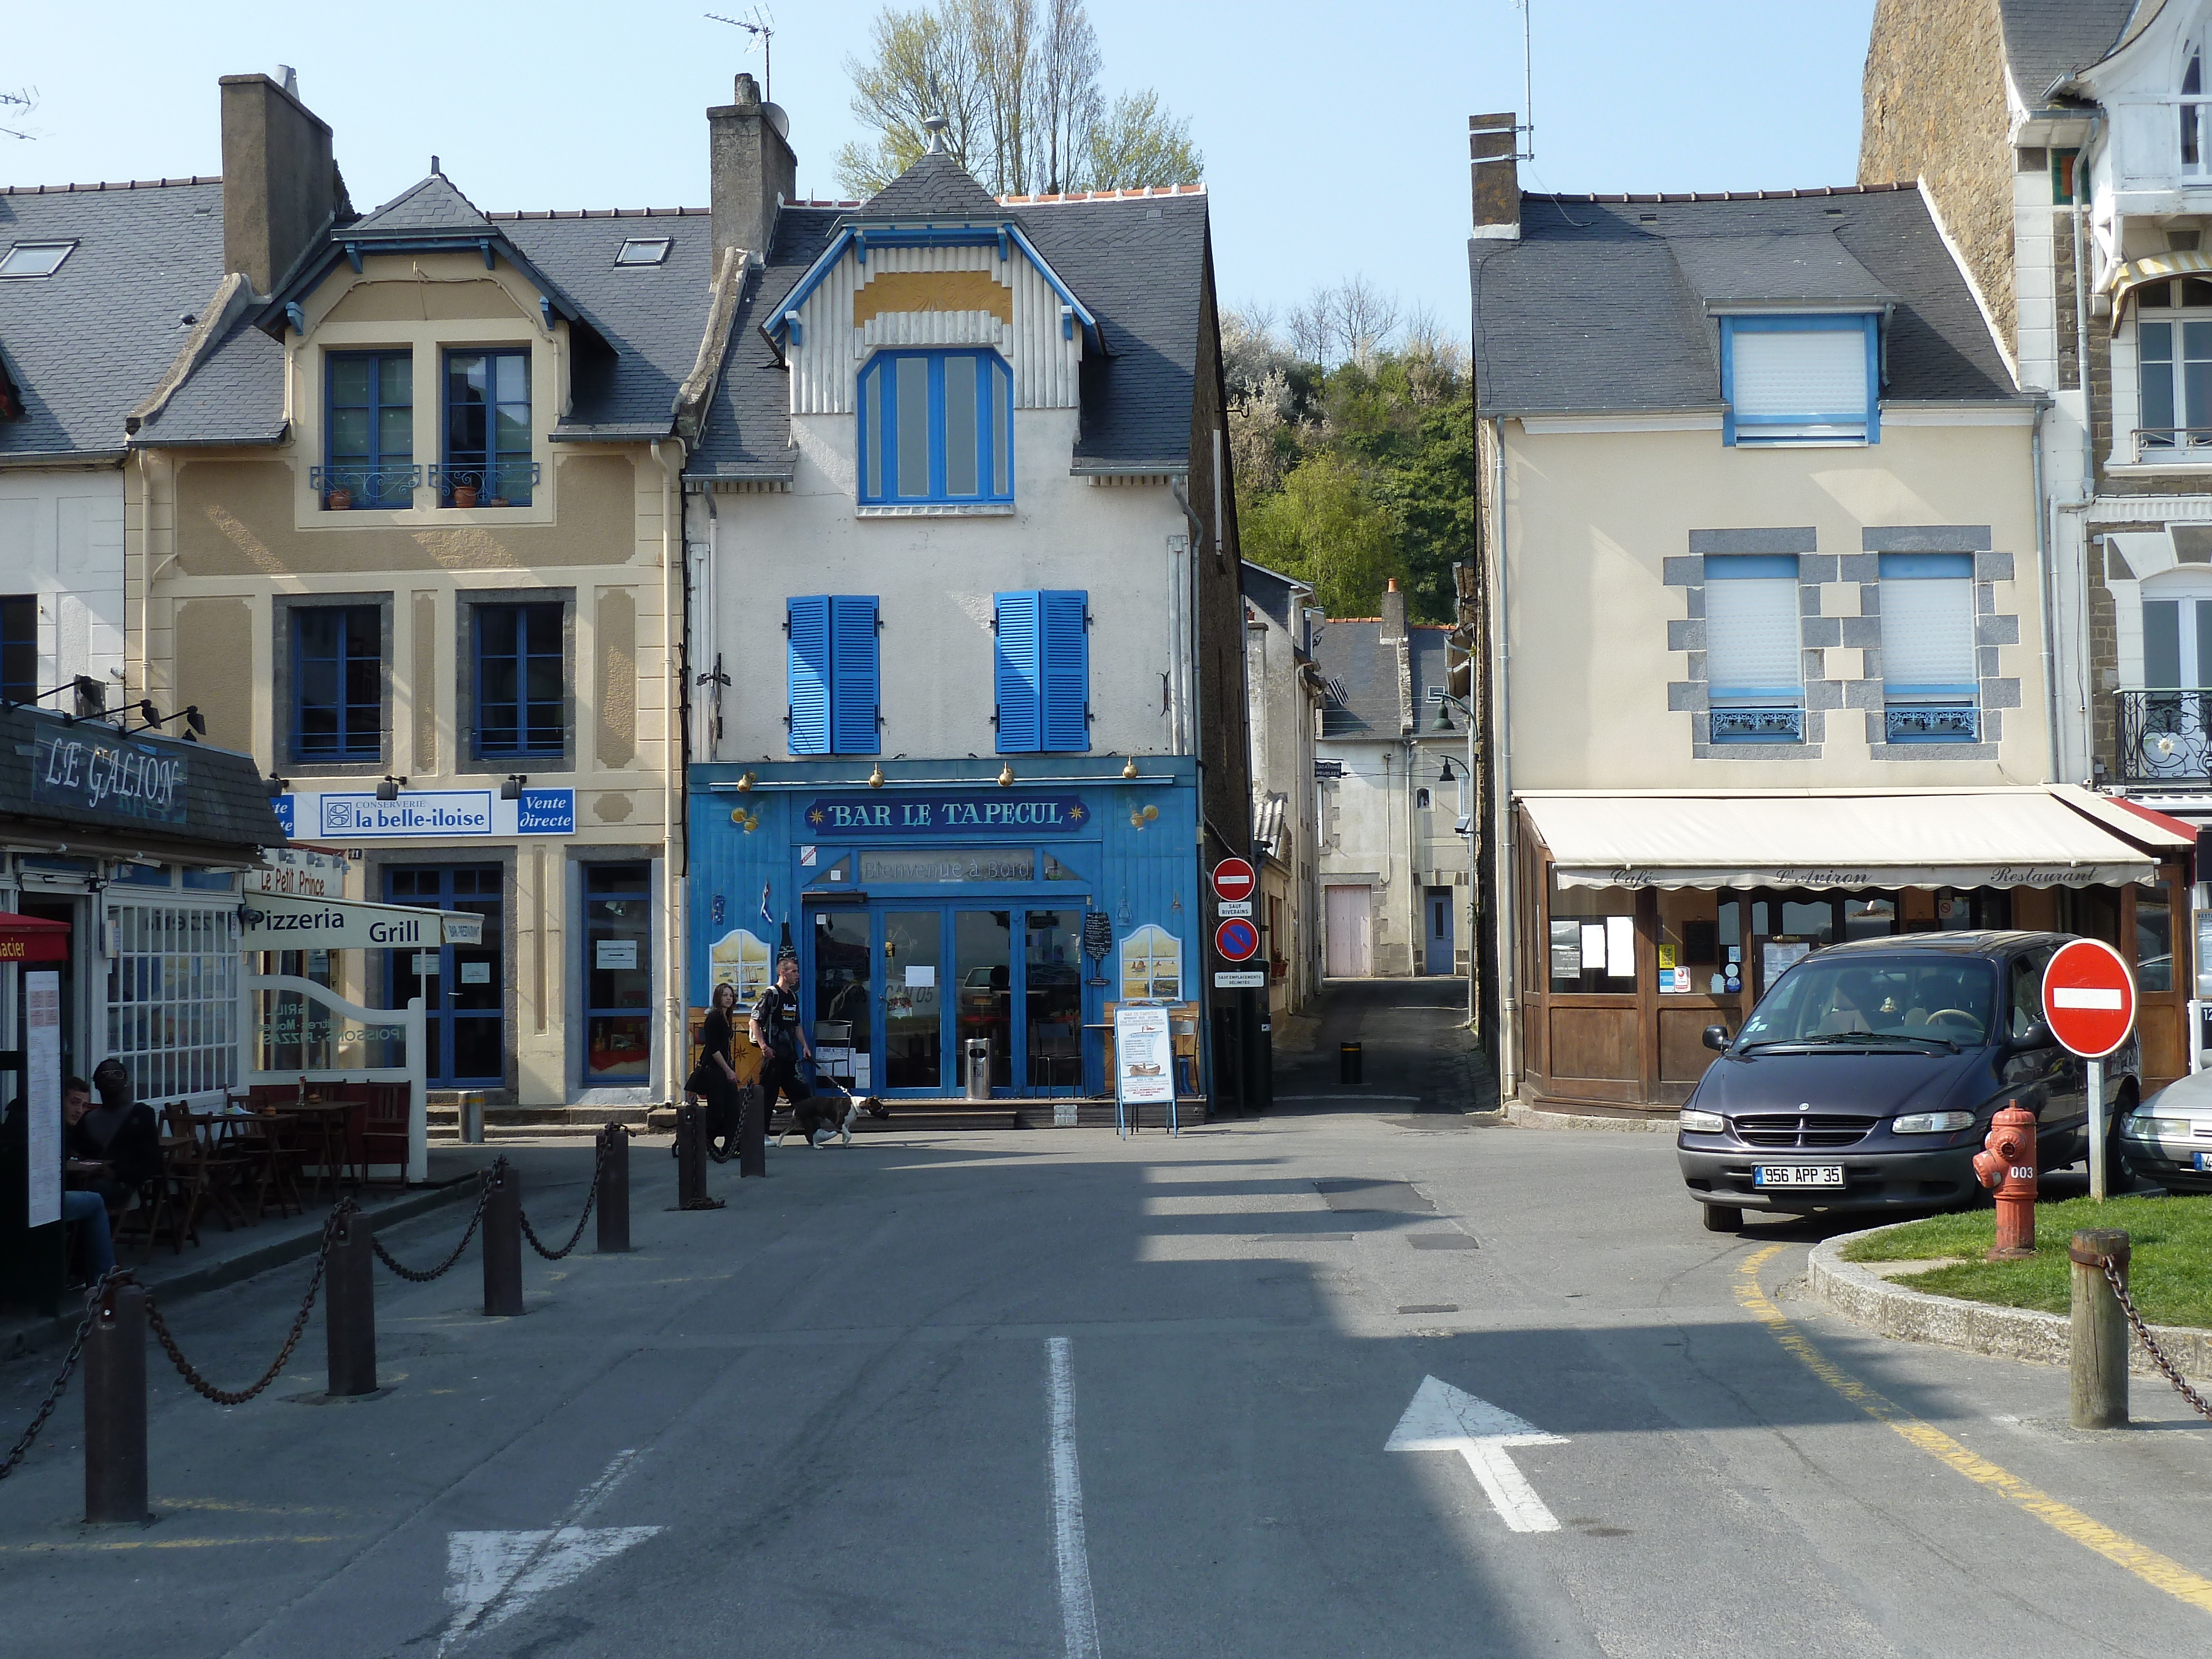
[117,1143]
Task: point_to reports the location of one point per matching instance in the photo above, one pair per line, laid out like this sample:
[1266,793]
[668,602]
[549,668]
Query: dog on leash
[818,1117]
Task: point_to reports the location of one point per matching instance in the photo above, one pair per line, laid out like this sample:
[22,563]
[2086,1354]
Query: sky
[1334,135]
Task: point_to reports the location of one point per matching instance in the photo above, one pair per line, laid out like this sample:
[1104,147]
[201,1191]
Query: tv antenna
[1528,84]
[761,24]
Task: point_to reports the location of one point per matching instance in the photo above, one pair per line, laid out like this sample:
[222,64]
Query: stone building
[1284,695]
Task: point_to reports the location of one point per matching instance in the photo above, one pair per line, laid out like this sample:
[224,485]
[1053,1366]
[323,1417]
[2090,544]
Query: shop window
[1927,647]
[1754,662]
[1042,657]
[1873,917]
[338,682]
[19,649]
[488,461]
[1593,938]
[369,449]
[1152,966]
[833,677]
[742,959]
[2154,940]
[1805,380]
[936,427]
[617,972]
[172,997]
[521,699]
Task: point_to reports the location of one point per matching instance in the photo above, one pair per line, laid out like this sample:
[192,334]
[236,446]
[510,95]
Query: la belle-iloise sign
[965,812]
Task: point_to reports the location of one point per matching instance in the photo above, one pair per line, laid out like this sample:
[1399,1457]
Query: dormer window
[936,429]
[1800,380]
[488,461]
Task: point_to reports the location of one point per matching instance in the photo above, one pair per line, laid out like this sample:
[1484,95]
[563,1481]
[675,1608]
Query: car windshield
[1935,999]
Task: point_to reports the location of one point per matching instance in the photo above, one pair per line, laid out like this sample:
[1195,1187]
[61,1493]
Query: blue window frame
[487,429]
[521,708]
[368,450]
[936,427]
[833,677]
[1754,665]
[1804,380]
[1041,672]
[338,682]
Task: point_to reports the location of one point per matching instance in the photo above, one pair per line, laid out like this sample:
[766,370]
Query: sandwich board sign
[1144,1063]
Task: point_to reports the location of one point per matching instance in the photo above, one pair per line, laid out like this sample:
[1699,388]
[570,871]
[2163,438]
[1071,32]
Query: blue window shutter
[1067,657]
[1020,688]
[810,674]
[854,684]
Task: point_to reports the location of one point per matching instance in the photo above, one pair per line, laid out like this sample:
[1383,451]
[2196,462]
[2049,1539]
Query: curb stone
[1537,1117]
[1892,1310]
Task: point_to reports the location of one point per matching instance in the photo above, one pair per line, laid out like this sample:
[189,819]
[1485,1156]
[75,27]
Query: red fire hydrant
[2007,1162]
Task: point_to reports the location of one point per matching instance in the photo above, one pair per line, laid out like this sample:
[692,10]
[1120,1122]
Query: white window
[172,997]
[1800,380]
[1928,667]
[643,250]
[34,259]
[2195,139]
[1755,674]
[2174,345]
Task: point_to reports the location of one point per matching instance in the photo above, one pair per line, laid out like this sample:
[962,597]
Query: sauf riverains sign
[964,813]
[79,767]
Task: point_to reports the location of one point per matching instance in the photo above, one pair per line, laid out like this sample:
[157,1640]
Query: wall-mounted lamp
[875,777]
[390,787]
[511,789]
[1447,775]
[1007,776]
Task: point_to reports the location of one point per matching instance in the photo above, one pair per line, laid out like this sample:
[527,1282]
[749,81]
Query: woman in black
[715,1078]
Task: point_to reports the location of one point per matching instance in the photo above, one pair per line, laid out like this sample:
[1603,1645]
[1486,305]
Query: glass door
[844,1029]
[617,973]
[1052,1000]
[983,946]
[463,987]
[914,1003]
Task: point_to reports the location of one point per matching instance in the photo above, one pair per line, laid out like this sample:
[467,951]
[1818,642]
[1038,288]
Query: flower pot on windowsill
[338,499]
[464,495]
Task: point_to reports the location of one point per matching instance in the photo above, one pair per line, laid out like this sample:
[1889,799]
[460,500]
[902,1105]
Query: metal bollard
[2007,1162]
[752,1131]
[349,1311]
[2100,1331]
[614,1190]
[502,1242]
[1350,1065]
[115,1408]
[691,1160]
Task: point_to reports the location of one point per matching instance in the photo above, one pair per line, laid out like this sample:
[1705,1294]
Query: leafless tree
[923,65]
[1069,106]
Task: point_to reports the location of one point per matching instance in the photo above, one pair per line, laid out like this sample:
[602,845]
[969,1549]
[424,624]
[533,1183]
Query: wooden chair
[270,1140]
[163,1212]
[211,1175]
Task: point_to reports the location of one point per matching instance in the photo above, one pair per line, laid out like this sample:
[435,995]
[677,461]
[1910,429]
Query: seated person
[120,1139]
[1853,996]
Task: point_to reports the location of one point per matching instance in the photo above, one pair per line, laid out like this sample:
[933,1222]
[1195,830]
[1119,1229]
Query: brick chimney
[1492,143]
[280,179]
[752,168]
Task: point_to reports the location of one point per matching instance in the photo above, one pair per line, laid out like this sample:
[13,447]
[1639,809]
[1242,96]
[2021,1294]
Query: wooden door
[1349,953]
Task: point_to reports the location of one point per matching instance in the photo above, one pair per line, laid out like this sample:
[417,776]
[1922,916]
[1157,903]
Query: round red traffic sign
[1237,940]
[2089,998]
[1233,879]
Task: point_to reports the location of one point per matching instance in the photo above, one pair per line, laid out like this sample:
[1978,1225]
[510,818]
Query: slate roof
[1601,304]
[1350,653]
[226,803]
[1270,591]
[1137,262]
[648,317]
[2047,41]
[84,345]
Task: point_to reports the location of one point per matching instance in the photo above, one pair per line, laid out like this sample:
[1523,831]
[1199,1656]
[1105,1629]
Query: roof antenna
[761,24]
[1528,86]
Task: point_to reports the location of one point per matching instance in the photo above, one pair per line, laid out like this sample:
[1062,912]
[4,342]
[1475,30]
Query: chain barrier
[2150,1345]
[22,1448]
[483,1191]
[599,1174]
[239,1397]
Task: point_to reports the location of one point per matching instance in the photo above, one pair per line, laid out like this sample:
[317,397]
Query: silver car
[2168,1139]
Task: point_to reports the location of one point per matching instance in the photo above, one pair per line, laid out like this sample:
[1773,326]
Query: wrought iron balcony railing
[1775,725]
[475,484]
[340,487]
[1938,722]
[2174,443]
[2163,737]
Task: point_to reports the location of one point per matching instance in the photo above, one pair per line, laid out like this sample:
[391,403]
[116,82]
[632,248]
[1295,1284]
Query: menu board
[1144,1057]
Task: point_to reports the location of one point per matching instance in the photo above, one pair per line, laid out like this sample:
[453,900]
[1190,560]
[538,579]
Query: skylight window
[644,251]
[34,259]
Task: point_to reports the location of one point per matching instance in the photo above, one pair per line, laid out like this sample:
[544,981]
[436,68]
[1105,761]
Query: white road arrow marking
[492,1576]
[1445,1419]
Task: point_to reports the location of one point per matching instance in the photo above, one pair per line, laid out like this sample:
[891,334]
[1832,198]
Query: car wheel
[1722,1217]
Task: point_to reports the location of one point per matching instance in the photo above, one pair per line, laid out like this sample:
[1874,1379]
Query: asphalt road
[1056,1393]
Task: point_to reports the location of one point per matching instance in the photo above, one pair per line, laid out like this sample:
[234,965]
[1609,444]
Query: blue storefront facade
[933,904]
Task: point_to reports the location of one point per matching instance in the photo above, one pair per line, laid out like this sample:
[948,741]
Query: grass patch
[2170,1275]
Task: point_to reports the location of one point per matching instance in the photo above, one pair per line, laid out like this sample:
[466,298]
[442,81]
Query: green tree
[1141,143]
[1327,526]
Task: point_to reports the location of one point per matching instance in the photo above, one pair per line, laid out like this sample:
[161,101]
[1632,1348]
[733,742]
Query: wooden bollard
[2100,1331]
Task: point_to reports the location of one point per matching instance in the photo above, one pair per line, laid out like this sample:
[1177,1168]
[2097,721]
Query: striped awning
[2131,274]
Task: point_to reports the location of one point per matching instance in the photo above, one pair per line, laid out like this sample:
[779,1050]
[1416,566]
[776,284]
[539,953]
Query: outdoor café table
[327,1142]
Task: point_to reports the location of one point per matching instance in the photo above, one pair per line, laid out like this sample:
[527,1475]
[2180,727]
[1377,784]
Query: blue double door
[463,987]
[907,986]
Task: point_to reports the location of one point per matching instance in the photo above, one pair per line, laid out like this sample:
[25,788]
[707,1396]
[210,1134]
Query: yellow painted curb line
[2155,1570]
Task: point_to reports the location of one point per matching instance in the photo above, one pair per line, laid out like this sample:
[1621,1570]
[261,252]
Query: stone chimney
[280,178]
[752,170]
[1492,143]
[1394,613]
[1393,639]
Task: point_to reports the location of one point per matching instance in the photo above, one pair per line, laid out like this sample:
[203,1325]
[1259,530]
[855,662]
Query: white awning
[285,921]
[2030,837]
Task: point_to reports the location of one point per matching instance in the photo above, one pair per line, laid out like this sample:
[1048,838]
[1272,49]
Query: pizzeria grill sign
[109,776]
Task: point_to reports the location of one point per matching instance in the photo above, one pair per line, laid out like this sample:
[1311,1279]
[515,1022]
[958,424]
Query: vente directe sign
[964,813]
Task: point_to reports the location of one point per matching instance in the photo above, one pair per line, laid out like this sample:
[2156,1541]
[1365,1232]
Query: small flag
[765,916]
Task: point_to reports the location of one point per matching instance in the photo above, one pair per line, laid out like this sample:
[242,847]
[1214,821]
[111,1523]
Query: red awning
[33,938]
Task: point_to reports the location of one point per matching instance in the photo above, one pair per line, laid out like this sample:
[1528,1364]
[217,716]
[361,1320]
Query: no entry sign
[1233,879]
[2089,998]
[1237,940]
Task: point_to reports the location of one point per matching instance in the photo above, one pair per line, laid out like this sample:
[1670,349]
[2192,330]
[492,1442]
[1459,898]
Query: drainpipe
[2042,557]
[1504,850]
[2083,503]
[146,576]
[671,746]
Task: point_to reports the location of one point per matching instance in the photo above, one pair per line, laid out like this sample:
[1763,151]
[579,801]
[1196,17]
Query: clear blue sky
[1335,135]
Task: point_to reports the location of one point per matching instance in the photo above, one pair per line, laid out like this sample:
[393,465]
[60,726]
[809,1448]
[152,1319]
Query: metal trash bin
[471,1111]
[975,1067]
